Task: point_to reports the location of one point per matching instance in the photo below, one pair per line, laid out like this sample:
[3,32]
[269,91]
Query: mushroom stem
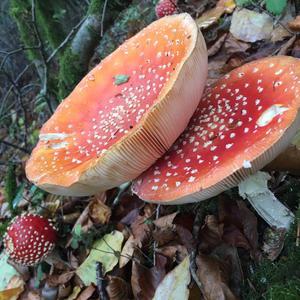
[255,190]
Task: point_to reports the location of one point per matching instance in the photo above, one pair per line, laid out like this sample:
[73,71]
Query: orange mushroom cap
[125,113]
[243,122]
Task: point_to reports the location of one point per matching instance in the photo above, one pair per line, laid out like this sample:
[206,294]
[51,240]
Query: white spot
[268,115]
[53,136]
[247,164]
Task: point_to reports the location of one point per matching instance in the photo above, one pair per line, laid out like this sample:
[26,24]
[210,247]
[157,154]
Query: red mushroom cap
[125,113]
[243,122]
[165,8]
[29,239]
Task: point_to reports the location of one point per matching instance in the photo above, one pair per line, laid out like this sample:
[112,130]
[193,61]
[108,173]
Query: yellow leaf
[106,251]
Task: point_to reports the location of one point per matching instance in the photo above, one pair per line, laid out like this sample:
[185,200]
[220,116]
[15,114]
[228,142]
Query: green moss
[20,10]
[49,25]
[137,16]
[10,186]
[70,73]
[74,67]
[280,279]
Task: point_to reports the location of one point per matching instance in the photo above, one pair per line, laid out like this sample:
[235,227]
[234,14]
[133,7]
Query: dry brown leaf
[295,24]
[240,225]
[99,212]
[212,16]
[214,276]
[118,289]
[75,293]
[216,47]
[174,251]
[210,234]
[127,251]
[234,46]
[14,289]
[144,281]
[86,293]
[165,221]
[11,294]
[230,255]
[273,242]
[55,280]
[141,230]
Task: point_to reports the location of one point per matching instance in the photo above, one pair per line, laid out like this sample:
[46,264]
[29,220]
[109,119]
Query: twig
[102,18]
[193,268]
[21,103]
[196,230]
[44,75]
[12,52]
[15,146]
[155,243]
[65,41]
[100,282]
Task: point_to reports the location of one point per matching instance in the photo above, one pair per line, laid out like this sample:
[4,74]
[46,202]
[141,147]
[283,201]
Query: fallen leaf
[54,280]
[174,251]
[11,294]
[215,48]
[214,276]
[212,16]
[144,281]
[230,255]
[75,293]
[31,295]
[14,289]
[273,242]
[118,289]
[104,250]
[99,212]
[251,26]
[86,293]
[174,286]
[166,221]
[141,230]
[210,234]
[234,46]
[295,24]
[7,271]
[127,251]
[239,225]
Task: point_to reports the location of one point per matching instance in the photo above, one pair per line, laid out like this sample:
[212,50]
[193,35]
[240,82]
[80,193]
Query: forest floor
[115,246]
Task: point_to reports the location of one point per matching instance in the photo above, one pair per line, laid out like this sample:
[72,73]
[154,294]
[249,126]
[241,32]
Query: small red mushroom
[29,239]
[165,8]
[243,122]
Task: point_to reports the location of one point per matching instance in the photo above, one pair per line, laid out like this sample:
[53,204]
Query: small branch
[65,41]
[102,18]
[44,72]
[15,146]
[100,282]
[193,269]
[155,243]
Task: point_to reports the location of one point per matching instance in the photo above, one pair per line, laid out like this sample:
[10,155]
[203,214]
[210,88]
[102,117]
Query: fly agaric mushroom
[29,239]
[165,8]
[243,122]
[125,113]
